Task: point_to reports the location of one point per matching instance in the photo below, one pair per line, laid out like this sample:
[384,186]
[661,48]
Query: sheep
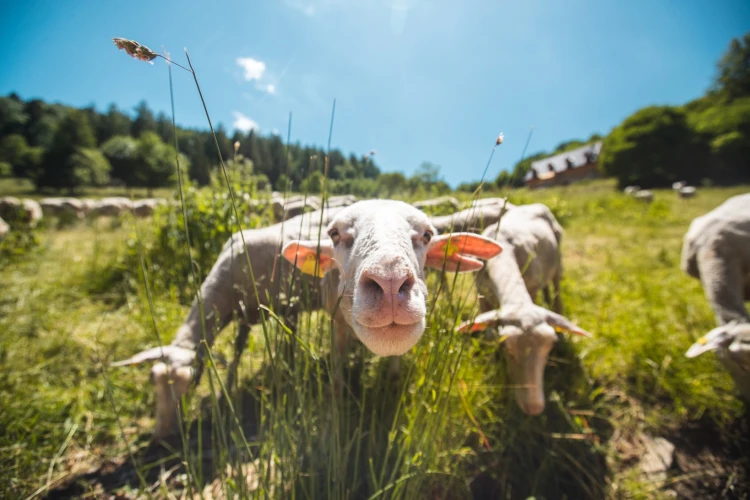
[299,206]
[340,201]
[631,190]
[4,229]
[382,246]
[437,202]
[146,208]
[530,237]
[469,219]
[88,206]
[686,192]
[716,250]
[25,211]
[677,186]
[63,207]
[111,207]
[644,195]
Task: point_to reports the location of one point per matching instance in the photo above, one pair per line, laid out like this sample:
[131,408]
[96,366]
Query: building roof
[559,163]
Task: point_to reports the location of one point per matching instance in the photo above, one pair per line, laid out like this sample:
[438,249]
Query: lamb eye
[426,237]
[334,235]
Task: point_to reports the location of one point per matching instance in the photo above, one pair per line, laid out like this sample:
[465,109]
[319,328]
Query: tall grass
[446,427]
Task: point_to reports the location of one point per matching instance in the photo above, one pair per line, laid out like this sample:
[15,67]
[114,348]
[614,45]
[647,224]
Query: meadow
[97,291]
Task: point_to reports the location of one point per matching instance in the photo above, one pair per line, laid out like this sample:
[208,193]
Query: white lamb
[372,254]
[716,250]
[508,286]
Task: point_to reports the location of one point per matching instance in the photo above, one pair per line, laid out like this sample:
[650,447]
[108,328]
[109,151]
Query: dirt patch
[712,464]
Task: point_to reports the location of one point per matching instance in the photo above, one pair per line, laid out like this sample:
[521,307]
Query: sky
[415,80]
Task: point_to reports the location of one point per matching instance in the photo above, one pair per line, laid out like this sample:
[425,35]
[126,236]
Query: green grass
[448,427]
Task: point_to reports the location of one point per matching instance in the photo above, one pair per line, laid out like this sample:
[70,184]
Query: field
[71,426]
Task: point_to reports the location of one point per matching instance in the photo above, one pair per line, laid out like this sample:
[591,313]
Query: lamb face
[529,333]
[527,351]
[381,248]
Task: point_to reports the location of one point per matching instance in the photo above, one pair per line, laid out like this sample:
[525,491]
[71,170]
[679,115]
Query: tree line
[60,147]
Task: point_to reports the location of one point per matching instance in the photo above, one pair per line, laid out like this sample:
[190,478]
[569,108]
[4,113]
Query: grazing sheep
[341,201]
[4,229]
[644,195]
[474,218]
[88,206]
[687,192]
[63,207]
[25,211]
[383,247]
[299,206]
[716,250]
[678,185]
[111,207]
[631,190]
[437,202]
[146,208]
[530,237]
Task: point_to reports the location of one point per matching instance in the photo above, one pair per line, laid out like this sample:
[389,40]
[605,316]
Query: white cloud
[244,123]
[275,131]
[254,69]
[268,88]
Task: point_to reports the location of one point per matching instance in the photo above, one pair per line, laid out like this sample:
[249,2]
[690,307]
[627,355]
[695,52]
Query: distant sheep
[631,190]
[343,200]
[716,250]
[382,246]
[677,186]
[437,202]
[25,211]
[146,208]
[644,195]
[530,237]
[4,229]
[63,207]
[687,192]
[474,218]
[111,207]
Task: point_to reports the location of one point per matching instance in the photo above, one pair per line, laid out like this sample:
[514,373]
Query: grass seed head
[135,49]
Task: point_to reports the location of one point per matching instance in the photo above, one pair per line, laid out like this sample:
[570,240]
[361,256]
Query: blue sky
[415,80]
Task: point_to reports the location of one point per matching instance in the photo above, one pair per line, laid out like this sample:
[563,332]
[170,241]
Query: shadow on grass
[559,454]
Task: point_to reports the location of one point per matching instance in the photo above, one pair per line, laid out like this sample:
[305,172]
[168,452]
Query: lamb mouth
[392,329]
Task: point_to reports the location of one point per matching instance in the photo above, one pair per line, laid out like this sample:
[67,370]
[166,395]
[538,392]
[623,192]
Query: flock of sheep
[647,196]
[30,212]
[372,257]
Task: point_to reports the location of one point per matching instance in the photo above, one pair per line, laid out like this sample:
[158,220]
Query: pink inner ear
[469,327]
[476,245]
[303,253]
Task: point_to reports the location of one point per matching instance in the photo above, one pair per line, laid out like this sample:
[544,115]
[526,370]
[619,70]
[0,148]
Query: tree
[653,147]
[392,182]
[112,124]
[57,170]
[89,167]
[144,120]
[12,115]
[156,162]
[733,79]
[122,153]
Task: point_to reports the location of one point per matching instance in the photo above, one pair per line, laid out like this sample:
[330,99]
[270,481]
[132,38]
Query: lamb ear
[561,323]
[489,319]
[457,250]
[304,255]
[173,355]
[709,342]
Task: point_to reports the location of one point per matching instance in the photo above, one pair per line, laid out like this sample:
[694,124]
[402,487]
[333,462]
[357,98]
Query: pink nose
[387,283]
